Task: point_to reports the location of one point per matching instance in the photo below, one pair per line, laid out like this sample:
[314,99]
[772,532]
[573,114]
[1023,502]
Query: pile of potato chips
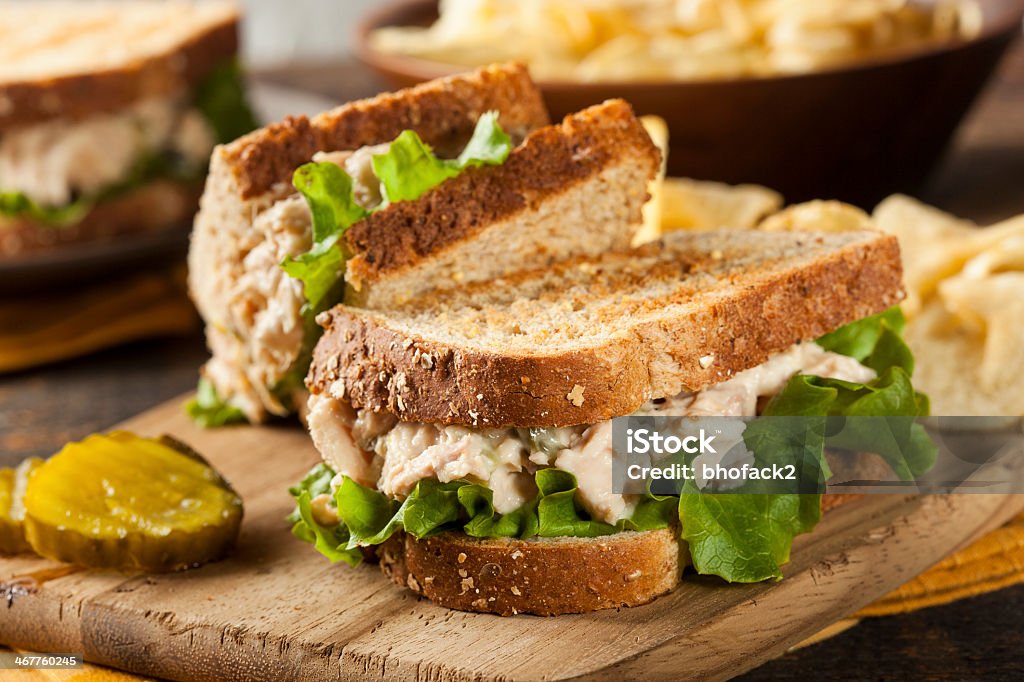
[649,40]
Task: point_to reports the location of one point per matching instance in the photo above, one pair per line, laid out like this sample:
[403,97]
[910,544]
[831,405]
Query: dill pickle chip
[12,509]
[122,501]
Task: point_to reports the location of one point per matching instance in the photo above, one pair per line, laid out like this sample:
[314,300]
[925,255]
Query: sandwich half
[380,201]
[108,114]
[466,436]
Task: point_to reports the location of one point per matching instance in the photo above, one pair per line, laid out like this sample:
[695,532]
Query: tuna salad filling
[376,450]
[55,162]
[381,476]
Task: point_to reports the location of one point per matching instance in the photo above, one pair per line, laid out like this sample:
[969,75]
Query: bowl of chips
[846,99]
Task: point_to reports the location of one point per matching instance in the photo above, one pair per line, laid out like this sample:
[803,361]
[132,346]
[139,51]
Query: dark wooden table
[982,179]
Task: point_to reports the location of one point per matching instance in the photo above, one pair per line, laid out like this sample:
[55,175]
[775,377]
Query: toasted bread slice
[153,207]
[543,576]
[572,189]
[252,174]
[72,60]
[594,338]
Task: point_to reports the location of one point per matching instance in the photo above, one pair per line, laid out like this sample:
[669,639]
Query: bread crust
[436,110]
[541,576]
[157,205]
[78,96]
[552,160]
[365,359]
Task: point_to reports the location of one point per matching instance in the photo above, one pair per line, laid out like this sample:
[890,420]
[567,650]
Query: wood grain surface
[276,610]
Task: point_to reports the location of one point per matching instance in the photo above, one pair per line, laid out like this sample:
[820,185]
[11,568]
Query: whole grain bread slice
[72,60]
[572,189]
[594,338]
[543,576]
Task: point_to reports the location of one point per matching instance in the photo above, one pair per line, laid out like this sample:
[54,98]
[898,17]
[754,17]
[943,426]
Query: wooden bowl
[857,132]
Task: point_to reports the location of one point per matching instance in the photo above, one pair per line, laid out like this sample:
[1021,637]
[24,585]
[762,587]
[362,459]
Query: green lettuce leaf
[858,339]
[890,351]
[485,522]
[882,408]
[489,146]
[318,269]
[409,168]
[331,541]
[368,514]
[316,482]
[744,536]
[208,410]
[221,99]
[17,204]
[558,510]
[329,192]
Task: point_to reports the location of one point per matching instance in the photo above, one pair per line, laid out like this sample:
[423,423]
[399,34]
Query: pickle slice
[12,508]
[122,501]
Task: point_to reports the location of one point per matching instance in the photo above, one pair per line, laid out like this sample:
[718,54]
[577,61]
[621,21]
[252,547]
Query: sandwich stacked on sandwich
[466,435]
[108,114]
[454,182]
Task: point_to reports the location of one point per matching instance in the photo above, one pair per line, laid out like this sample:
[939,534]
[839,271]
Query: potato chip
[983,305]
[702,205]
[935,245]
[1005,253]
[949,366]
[818,216]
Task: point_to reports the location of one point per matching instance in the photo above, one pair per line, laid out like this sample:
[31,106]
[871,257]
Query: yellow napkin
[87,673]
[40,329]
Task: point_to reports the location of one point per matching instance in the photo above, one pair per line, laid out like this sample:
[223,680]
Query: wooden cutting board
[276,610]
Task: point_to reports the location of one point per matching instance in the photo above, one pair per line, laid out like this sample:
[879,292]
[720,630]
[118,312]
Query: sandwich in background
[108,114]
[467,439]
[377,202]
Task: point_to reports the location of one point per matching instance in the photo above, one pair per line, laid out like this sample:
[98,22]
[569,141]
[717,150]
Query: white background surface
[284,30]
